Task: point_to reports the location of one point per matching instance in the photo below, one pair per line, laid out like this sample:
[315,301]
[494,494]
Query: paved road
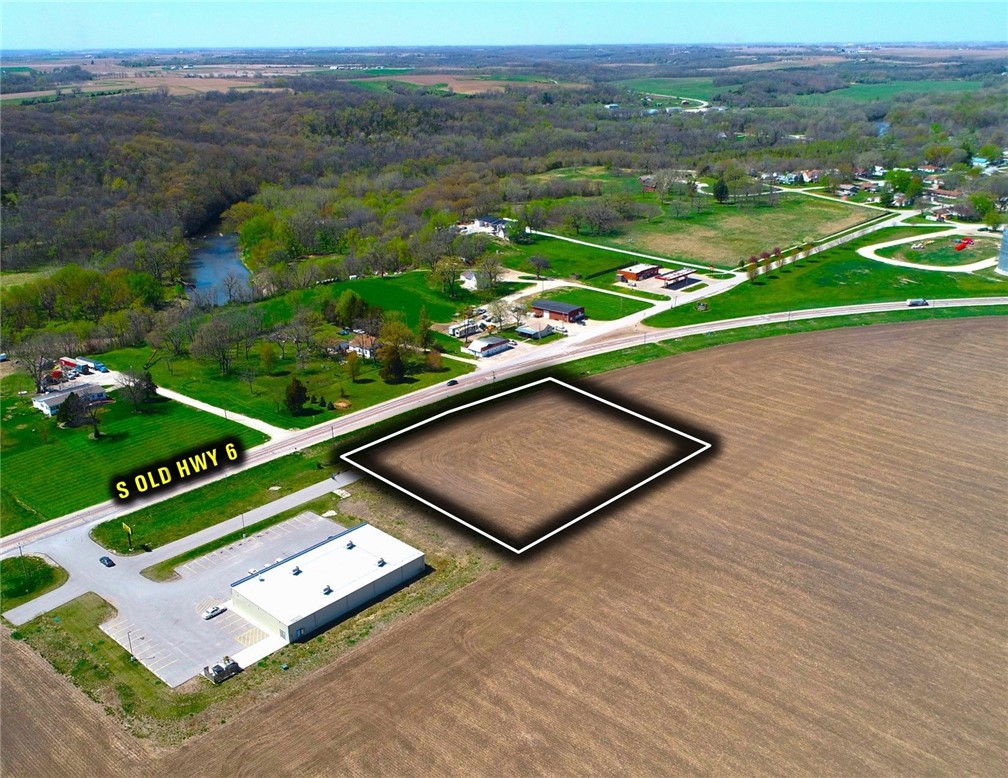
[607,337]
[870,252]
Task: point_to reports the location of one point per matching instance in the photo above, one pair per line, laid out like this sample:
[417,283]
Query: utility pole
[24,567]
[130,641]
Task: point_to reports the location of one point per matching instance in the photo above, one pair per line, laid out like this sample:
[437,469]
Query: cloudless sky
[76,25]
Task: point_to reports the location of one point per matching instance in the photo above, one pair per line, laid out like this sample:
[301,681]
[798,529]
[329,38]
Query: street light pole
[130,641]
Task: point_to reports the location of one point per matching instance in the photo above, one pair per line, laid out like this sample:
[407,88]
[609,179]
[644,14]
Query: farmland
[847,620]
[888,90]
[697,88]
[942,251]
[37,487]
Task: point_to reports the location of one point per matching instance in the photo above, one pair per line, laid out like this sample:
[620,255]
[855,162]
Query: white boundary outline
[347,457]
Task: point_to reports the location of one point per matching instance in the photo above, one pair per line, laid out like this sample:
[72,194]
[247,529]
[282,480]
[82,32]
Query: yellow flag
[128,528]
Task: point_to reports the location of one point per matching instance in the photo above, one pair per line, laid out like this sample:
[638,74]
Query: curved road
[616,336]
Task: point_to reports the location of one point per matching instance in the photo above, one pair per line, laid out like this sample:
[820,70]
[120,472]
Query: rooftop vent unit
[296,571]
[327,589]
[381,563]
[350,544]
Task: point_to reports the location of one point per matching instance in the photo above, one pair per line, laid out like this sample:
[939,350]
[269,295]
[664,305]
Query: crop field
[941,251]
[698,88]
[826,595]
[522,428]
[725,235]
[886,91]
[462,83]
[48,471]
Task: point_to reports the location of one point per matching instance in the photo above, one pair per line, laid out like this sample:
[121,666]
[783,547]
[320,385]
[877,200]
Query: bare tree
[493,267]
[248,375]
[214,340]
[233,284]
[37,356]
[539,263]
[137,386]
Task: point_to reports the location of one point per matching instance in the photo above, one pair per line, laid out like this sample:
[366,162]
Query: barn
[312,589]
[637,272]
[488,345]
[552,309]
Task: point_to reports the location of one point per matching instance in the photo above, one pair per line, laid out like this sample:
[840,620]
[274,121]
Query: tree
[720,190]
[492,266]
[136,386]
[446,273]
[434,362]
[248,375]
[296,396]
[213,342]
[993,218]
[519,312]
[516,232]
[36,354]
[424,336]
[353,366]
[268,357]
[302,330]
[752,271]
[499,311]
[71,410]
[539,263]
[395,340]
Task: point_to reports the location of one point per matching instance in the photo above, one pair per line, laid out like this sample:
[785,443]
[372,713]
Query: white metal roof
[288,597]
[638,268]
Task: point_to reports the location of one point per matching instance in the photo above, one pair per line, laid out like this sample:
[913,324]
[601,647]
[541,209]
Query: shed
[554,309]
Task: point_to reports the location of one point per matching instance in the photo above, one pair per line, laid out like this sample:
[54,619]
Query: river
[213,256]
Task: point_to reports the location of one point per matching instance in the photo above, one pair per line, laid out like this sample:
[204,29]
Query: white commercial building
[314,588]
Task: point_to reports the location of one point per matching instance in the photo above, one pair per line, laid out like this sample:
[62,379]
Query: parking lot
[162,624]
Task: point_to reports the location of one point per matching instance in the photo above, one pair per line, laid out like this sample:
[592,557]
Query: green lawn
[189,512]
[886,91]
[698,88]
[595,266]
[323,377]
[724,235]
[941,251]
[406,292]
[598,305]
[23,578]
[48,471]
[165,571]
[835,277]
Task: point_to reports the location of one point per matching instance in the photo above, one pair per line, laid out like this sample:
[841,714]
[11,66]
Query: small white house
[50,402]
[474,280]
[364,345]
[487,346]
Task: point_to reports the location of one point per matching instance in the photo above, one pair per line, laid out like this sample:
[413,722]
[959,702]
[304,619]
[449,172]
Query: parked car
[452,382]
[106,561]
[213,610]
[916,302]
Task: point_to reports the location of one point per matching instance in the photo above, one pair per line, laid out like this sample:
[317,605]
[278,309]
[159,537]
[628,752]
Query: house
[492,224]
[648,183]
[899,199]
[878,171]
[787,178]
[365,346]
[474,280]
[553,309]
[810,176]
[612,106]
[637,272]
[487,346]
[848,190]
[531,332]
[50,402]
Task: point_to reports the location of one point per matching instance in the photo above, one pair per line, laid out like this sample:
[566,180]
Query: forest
[327,180]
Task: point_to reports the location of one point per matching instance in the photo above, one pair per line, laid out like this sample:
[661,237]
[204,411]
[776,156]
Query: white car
[213,610]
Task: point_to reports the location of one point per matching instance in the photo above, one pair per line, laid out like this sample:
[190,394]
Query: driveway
[160,622]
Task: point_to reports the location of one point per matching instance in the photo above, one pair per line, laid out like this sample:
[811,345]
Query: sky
[88,25]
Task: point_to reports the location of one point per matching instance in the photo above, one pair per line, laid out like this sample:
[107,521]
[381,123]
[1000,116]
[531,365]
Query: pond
[214,256]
